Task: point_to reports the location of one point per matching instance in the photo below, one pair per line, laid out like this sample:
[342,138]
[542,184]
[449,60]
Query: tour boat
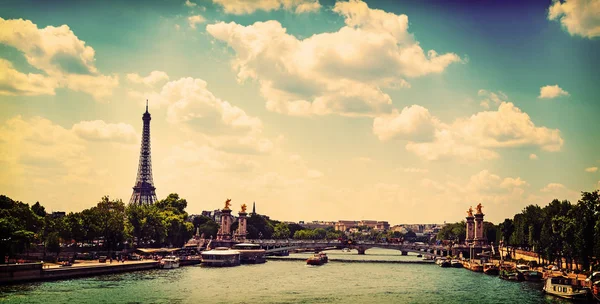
[317,259]
[324,257]
[565,288]
[169,262]
[220,257]
[250,253]
[528,274]
[491,269]
[456,264]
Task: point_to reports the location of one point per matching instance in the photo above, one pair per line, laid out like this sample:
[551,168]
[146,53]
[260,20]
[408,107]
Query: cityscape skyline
[314,110]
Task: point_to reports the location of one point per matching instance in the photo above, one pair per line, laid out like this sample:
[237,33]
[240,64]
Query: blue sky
[315,110]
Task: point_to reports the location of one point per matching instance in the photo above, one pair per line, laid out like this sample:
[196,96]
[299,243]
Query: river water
[288,282]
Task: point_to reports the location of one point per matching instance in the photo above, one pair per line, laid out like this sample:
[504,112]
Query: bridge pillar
[361,250]
[404,252]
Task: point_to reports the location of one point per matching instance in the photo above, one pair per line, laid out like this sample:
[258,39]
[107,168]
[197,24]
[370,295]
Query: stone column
[479,238]
[226,220]
[241,232]
[470,230]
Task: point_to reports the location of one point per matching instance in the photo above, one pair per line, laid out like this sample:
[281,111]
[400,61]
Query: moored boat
[491,269]
[250,253]
[456,264]
[476,267]
[529,274]
[169,262]
[565,288]
[221,257]
[324,257]
[511,275]
[443,262]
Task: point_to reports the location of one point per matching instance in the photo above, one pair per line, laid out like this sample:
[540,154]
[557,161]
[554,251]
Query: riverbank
[29,272]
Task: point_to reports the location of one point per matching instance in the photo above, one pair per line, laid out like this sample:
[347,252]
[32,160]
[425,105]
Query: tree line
[110,225]
[560,231]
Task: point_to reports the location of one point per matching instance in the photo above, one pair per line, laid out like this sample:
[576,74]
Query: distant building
[345,225]
[318,224]
[58,214]
[375,225]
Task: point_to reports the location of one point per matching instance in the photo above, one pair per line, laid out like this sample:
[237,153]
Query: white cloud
[153,78]
[99,130]
[307,7]
[363,159]
[533,156]
[188,3]
[194,108]
[591,169]
[473,138]
[191,155]
[341,72]
[579,17]
[414,170]
[552,91]
[64,58]
[194,20]
[491,99]
[241,7]
[553,187]
[510,182]
[13,82]
[414,122]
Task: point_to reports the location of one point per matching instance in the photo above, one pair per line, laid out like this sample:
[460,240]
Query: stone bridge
[276,246]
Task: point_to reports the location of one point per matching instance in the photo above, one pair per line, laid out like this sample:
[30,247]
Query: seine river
[288,282]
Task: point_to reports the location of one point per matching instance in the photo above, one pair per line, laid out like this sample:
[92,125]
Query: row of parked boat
[558,285]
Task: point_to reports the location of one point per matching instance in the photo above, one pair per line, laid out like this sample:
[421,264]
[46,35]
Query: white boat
[220,257]
[565,288]
[250,253]
[169,262]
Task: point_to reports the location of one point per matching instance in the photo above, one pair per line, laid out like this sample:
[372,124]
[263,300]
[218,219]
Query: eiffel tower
[144,190]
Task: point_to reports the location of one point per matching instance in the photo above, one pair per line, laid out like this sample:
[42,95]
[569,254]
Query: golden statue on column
[227,204]
[470,211]
[479,209]
[244,208]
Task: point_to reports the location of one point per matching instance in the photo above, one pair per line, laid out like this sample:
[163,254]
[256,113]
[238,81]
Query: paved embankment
[18,273]
[351,261]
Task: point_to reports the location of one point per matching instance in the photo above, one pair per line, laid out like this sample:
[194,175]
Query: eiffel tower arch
[144,191]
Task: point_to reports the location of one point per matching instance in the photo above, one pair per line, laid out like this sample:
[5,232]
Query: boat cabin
[221,256]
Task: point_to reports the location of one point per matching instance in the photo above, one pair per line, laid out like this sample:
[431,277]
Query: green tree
[451,232]
[18,226]
[281,231]
[38,209]
[257,226]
